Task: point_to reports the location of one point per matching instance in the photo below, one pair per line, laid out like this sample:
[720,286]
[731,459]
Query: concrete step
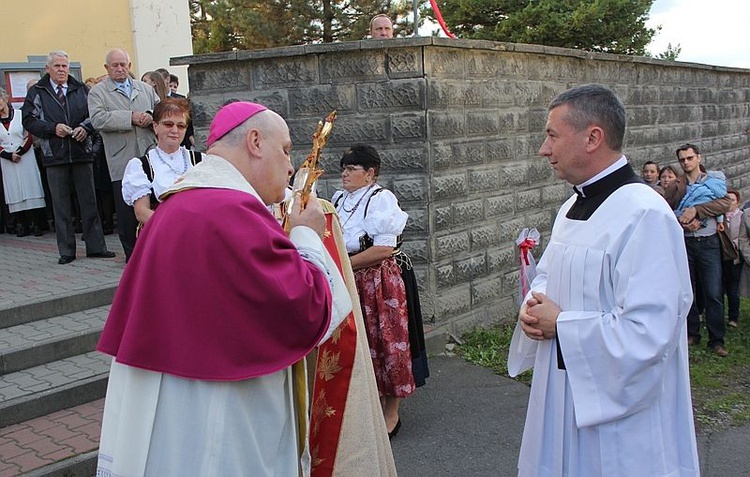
[53,386]
[42,341]
[57,306]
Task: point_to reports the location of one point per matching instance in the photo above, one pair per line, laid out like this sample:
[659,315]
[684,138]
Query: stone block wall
[458,124]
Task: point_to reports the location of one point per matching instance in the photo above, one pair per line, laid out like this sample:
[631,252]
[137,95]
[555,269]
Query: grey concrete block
[444,62]
[486,289]
[446,276]
[410,189]
[470,153]
[284,72]
[453,302]
[417,250]
[514,175]
[352,65]
[484,180]
[406,127]
[446,187]
[319,101]
[405,63]
[408,94]
[443,218]
[483,237]
[450,245]
[445,124]
[468,212]
[412,159]
[466,269]
[483,123]
[498,205]
[528,199]
[442,156]
[500,149]
[504,258]
[227,76]
[418,223]
[498,93]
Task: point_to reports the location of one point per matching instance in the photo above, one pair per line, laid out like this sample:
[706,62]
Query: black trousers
[62,180]
[126,221]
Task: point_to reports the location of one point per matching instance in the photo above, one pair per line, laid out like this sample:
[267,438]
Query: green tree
[613,26]
[223,25]
[671,53]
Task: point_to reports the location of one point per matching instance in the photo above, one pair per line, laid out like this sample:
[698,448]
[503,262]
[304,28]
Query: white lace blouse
[384,221]
[167,168]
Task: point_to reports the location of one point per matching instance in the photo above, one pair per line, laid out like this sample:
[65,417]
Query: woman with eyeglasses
[372,222]
[147,177]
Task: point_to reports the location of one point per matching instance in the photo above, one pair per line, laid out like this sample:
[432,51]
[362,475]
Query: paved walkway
[467,421]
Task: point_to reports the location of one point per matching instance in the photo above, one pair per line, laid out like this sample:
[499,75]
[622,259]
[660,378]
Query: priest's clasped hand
[539,317]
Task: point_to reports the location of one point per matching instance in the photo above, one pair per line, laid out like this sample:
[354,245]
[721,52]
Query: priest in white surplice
[604,323]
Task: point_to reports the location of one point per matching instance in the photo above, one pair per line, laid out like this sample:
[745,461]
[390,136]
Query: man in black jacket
[56,112]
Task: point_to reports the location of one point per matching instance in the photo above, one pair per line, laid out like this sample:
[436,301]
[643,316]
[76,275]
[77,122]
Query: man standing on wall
[611,388]
[120,108]
[56,111]
[381,27]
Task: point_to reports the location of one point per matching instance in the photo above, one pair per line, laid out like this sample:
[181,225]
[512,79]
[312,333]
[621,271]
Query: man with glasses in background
[121,110]
[699,199]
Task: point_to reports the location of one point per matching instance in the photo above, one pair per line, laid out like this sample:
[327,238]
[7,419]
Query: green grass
[720,386]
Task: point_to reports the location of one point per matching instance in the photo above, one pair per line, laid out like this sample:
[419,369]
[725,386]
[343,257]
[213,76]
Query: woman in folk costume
[372,221]
[21,180]
[147,177]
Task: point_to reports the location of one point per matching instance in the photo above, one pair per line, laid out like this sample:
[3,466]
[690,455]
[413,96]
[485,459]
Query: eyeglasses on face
[351,168]
[170,125]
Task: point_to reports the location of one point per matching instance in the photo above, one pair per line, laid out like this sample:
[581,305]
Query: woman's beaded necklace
[166,161]
[356,206]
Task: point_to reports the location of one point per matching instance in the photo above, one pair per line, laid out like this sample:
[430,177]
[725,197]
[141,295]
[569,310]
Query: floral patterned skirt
[383,300]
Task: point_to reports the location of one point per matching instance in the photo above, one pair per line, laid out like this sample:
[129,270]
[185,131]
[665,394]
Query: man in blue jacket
[56,111]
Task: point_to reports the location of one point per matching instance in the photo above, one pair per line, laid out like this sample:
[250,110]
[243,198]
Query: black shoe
[37,231]
[395,430]
[108,231]
[22,231]
[65,259]
[104,254]
[78,228]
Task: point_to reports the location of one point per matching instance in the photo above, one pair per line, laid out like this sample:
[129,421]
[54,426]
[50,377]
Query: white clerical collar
[609,170]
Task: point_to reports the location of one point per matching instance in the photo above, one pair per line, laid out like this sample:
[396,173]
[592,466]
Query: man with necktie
[120,108]
[56,111]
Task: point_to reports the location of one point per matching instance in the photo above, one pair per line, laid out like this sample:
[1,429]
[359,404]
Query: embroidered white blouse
[167,168]
[384,221]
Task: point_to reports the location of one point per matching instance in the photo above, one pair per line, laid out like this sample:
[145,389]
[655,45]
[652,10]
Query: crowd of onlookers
[717,240]
[61,162]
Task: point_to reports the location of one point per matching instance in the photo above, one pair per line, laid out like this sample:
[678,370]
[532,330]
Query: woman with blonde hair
[157,82]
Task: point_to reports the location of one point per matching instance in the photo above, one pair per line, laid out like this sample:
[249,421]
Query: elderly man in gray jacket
[120,109]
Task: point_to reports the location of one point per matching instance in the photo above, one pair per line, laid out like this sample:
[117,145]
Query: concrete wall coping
[301,50]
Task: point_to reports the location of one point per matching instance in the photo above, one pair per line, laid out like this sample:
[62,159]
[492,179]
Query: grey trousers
[62,179]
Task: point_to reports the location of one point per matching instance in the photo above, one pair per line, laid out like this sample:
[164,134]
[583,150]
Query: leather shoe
[104,254]
[395,430]
[65,259]
[721,351]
